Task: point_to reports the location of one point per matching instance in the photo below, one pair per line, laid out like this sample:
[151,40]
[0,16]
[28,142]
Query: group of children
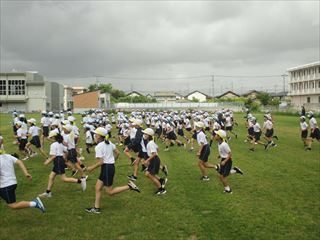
[182,129]
[314,130]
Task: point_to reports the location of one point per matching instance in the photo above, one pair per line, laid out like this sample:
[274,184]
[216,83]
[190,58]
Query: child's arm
[24,169]
[200,149]
[116,153]
[226,160]
[96,165]
[153,155]
[49,160]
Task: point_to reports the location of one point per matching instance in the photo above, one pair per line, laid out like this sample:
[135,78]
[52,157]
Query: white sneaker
[45,195]
[25,158]
[81,158]
[80,151]
[34,154]
[83,184]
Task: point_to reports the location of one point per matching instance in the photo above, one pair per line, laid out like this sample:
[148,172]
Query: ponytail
[106,140]
[59,138]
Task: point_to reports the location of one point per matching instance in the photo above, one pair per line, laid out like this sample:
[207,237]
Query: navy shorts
[315,134]
[257,136]
[72,155]
[194,135]
[171,136]
[143,155]
[304,134]
[8,193]
[22,144]
[135,148]
[59,165]
[154,166]
[229,128]
[205,152]
[106,174]
[45,131]
[36,141]
[225,170]
[269,133]
[180,132]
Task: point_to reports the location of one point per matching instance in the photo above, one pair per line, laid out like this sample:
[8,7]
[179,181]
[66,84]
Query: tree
[264,98]
[104,88]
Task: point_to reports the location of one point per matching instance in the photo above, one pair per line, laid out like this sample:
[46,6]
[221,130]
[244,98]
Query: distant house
[165,96]
[91,100]
[228,94]
[251,94]
[149,96]
[201,97]
[134,94]
[179,96]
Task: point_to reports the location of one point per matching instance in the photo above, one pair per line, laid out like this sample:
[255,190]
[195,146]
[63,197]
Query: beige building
[229,95]
[304,86]
[201,97]
[91,100]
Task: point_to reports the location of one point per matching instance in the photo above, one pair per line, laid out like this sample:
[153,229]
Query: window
[16,87]
[308,99]
[311,85]
[319,99]
[3,87]
[319,84]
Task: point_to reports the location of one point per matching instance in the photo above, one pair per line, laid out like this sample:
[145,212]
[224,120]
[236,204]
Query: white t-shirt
[224,149]
[105,151]
[187,123]
[22,133]
[268,124]
[34,131]
[256,127]
[7,174]
[1,145]
[45,121]
[313,123]
[89,138]
[228,122]
[108,127]
[57,149]
[69,140]
[75,129]
[133,132]
[152,147]
[201,138]
[303,126]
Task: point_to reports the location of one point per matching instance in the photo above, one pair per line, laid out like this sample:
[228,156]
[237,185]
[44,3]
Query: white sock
[232,171]
[227,188]
[32,204]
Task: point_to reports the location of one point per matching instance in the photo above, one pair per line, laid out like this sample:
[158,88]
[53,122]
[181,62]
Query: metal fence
[234,106]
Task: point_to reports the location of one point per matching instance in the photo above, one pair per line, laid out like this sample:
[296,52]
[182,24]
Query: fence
[234,106]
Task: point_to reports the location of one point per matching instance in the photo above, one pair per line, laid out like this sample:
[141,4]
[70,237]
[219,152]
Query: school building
[29,92]
[304,86]
[90,100]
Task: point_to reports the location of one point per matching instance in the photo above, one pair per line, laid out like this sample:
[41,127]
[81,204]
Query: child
[268,127]
[8,183]
[204,151]
[57,151]
[153,162]
[89,138]
[34,133]
[45,123]
[224,168]
[257,134]
[314,129]
[304,133]
[106,154]
[22,139]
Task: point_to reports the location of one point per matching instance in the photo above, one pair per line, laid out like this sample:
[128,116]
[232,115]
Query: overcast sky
[132,44]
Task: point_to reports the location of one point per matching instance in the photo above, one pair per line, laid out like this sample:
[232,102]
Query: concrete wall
[36,98]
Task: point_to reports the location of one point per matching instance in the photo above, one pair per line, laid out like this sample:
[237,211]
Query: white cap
[138,122]
[71,118]
[32,120]
[68,127]
[221,133]
[199,124]
[53,133]
[101,131]
[148,131]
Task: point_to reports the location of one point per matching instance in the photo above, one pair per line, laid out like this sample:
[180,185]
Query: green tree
[104,88]
[264,98]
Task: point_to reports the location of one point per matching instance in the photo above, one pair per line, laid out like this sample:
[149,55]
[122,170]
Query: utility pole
[284,82]
[212,86]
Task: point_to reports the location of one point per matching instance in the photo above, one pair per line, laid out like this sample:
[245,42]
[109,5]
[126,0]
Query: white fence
[174,105]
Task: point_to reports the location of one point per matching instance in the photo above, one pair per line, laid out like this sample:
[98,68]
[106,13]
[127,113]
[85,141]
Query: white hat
[68,127]
[53,133]
[44,112]
[148,131]
[65,122]
[32,120]
[71,118]
[199,124]
[302,117]
[138,122]
[22,116]
[101,131]
[19,123]
[221,133]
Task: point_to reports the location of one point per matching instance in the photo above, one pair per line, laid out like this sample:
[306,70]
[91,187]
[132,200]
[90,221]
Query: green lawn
[278,197]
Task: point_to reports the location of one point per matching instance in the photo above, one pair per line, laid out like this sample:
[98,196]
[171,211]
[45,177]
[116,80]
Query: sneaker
[165,170]
[81,158]
[266,146]
[133,187]
[274,145]
[307,149]
[34,154]
[83,183]
[39,204]
[238,170]
[245,141]
[93,210]
[132,178]
[163,182]
[276,137]
[217,168]
[204,178]
[166,150]
[74,173]
[45,195]
[161,191]
[120,144]
[227,191]
[251,149]
[25,158]
[191,149]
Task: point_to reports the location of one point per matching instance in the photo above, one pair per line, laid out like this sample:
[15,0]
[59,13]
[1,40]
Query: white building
[28,92]
[201,97]
[304,85]
[67,98]
[134,94]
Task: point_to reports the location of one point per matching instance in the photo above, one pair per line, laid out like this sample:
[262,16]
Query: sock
[32,204]
[132,159]
[79,180]
[211,142]
[232,171]
[82,166]
[88,151]
[227,188]
[48,191]
[167,147]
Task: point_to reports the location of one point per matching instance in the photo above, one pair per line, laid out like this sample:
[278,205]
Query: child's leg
[153,179]
[69,180]
[136,166]
[52,176]
[202,168]
[19,205]
[112,191]
[99,186]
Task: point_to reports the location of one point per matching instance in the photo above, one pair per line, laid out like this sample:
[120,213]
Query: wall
[36,98]
[86,100]
[197,95]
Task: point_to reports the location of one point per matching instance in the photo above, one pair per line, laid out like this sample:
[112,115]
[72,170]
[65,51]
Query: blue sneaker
[39,204]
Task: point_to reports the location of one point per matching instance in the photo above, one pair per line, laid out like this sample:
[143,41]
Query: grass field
[278,197]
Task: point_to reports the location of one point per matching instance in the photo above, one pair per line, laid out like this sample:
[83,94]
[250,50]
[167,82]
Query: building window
[319,99]
[319,84]
[16,87]
[308,99]
[3,87]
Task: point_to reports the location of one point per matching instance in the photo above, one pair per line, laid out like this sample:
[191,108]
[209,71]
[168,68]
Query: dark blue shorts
[225,170]
[59,165]
[107,174]
[8,193]
[154,166]
[205,152]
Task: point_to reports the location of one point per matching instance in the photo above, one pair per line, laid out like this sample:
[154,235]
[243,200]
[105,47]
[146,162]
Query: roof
[314,64]
[227,93]
[132,92]
[251,91]
[198,92]
[86,92]
[164,94]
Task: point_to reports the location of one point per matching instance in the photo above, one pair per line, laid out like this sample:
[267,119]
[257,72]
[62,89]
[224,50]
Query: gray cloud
[71,41]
